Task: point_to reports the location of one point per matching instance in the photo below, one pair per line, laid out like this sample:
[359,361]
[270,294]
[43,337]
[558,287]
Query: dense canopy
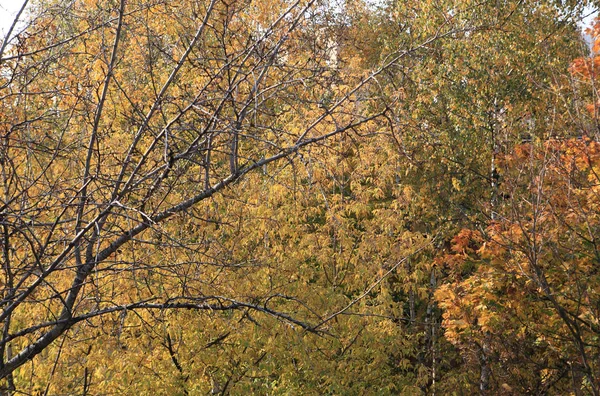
[299,197]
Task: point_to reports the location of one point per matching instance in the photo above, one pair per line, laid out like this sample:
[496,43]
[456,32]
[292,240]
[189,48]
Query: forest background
[286,197]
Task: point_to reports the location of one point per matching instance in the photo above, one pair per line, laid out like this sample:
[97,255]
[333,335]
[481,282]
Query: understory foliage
[299,197]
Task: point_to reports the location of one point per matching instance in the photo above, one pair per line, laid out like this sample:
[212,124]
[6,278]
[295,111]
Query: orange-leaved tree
[522,292]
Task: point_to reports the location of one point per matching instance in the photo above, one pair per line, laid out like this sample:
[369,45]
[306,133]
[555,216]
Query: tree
[129,129]
[121,117]
[522,287]
[526,285]
[468,101]
[249,197]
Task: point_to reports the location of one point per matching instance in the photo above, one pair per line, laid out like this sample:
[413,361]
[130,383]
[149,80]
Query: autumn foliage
[525,286]
[299,197]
